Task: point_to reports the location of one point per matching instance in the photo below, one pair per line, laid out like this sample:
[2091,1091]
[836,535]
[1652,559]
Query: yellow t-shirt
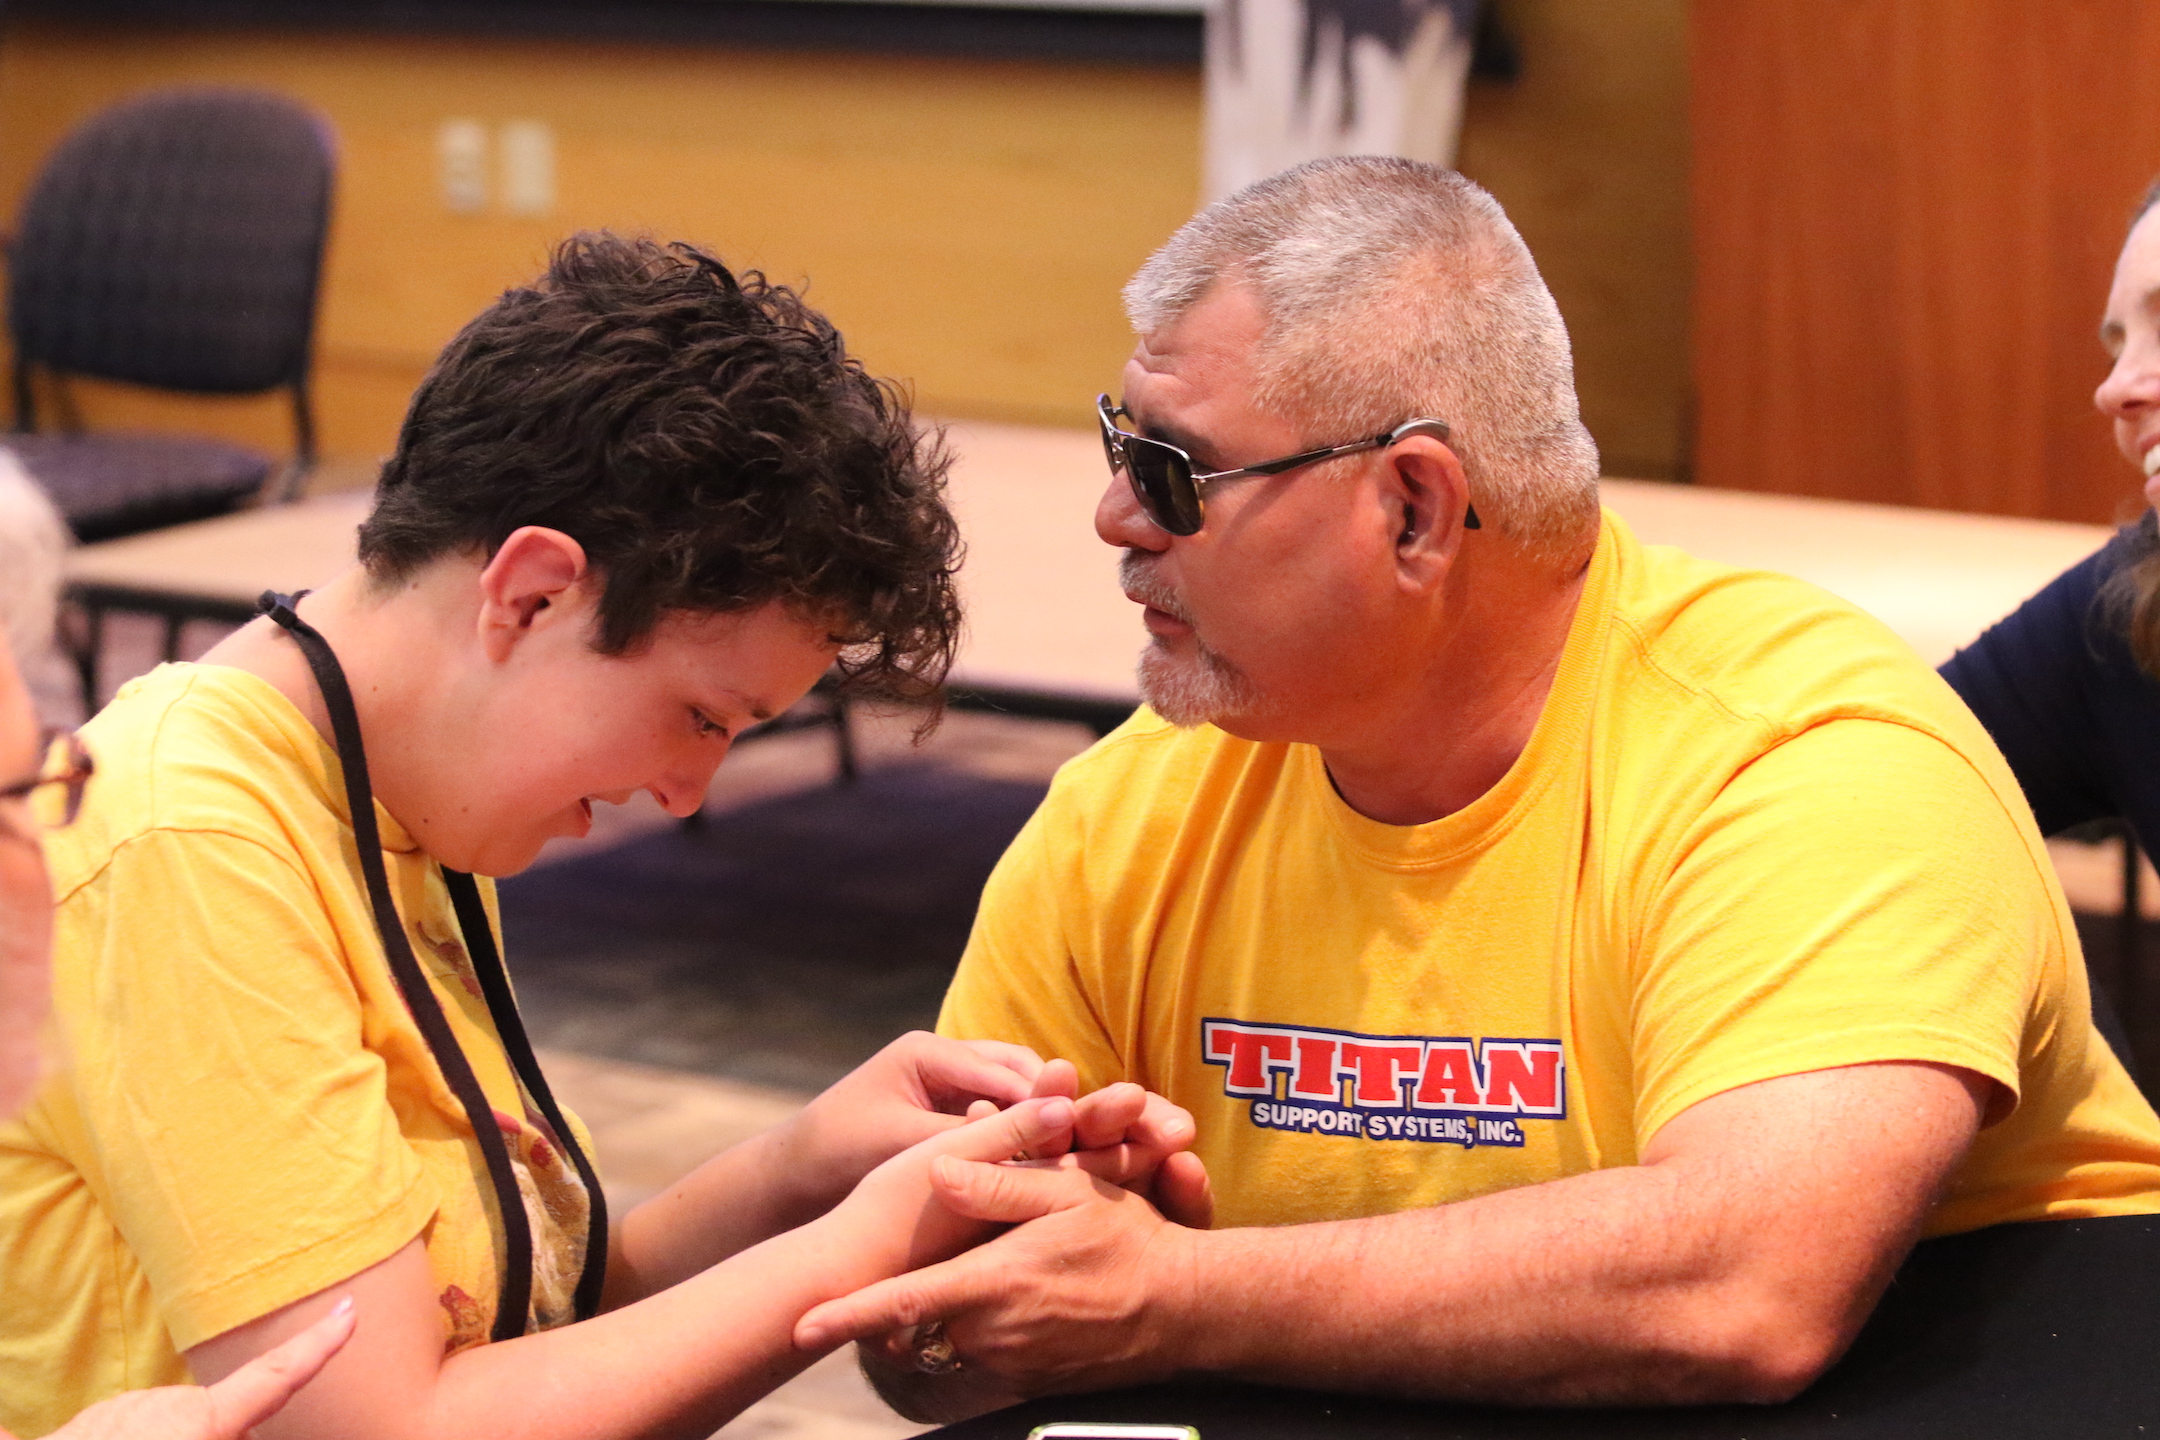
[1751,836]
[243,1112]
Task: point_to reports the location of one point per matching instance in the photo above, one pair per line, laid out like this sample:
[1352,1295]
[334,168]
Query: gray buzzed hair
[1392,289]
[33,544]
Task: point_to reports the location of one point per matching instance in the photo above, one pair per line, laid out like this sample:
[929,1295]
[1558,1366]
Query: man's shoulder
[1148,770]
[1767,650]
[1145,749]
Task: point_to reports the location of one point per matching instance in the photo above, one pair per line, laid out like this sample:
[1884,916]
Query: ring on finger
[934,1354]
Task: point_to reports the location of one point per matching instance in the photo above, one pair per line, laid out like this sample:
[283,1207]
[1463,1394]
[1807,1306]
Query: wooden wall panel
[1588,152]
[967,223]
[1905,215]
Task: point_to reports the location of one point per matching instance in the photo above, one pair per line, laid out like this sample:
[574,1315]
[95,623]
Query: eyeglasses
[67,764]
[1168,489]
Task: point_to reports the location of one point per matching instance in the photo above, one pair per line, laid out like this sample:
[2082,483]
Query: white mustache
[1141,582]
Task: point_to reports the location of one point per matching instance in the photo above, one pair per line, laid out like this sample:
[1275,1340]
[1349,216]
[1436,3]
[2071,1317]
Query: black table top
[2020,1332]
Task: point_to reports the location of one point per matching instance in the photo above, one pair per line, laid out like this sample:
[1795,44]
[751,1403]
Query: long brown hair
[2131,597]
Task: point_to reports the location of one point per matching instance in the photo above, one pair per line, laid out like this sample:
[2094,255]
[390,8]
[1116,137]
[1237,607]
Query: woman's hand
[918,1086]
[226,1410]
[893,1221]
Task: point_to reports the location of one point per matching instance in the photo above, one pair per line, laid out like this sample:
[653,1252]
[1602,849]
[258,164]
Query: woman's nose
[682,792]
[2133,385]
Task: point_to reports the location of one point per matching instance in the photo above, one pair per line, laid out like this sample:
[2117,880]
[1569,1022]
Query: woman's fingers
[1008,1194]
[260,1388]
[1029,1129]
[904,1300]
[954,1073]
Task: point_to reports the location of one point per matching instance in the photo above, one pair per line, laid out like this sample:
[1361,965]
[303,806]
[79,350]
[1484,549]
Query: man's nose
[1120,521]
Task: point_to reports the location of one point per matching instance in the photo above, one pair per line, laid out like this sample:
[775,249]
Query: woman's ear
[1429,498]
[531,576]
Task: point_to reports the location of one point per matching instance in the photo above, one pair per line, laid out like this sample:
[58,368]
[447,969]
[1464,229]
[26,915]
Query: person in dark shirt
[2066,684]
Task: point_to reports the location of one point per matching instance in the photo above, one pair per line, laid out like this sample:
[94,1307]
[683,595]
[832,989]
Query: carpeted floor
[780,942]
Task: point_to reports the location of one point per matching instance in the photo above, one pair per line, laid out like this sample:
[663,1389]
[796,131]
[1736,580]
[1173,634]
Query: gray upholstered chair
[172,241]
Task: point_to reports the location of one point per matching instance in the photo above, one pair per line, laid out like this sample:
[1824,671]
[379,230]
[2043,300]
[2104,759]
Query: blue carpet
[781,943]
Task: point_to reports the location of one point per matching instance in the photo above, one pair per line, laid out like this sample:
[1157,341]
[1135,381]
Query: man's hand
[1733,1263]
[226,1410]
[918,1086]
[1083,1297]
[1123,1136]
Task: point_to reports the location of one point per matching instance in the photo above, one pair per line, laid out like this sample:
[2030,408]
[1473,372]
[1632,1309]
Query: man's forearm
[1612,1287]
[1734,1263]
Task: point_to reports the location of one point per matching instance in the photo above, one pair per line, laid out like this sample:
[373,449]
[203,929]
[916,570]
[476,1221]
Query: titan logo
[1449,1089]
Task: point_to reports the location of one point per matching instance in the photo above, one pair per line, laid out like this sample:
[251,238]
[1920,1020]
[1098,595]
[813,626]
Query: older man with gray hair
[1591,969]
[33,544]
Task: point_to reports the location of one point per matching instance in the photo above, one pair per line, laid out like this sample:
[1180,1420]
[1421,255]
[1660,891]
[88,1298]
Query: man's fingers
[1108,1115]
[982,1108]
[1164,1127]
[1183,1192]
[936,1292]
[1058,1077]
[260,1388]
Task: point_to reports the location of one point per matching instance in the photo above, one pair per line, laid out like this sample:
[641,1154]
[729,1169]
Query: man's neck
[1449,732]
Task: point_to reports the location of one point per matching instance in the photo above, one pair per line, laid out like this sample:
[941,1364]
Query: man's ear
[532,580]
[1428,500]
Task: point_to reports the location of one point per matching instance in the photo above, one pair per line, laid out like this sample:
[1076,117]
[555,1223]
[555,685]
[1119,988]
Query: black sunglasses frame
[1168,487]
[75,772]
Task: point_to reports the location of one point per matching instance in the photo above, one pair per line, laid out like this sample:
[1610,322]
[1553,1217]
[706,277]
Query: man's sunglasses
[1164,482]
[67,765]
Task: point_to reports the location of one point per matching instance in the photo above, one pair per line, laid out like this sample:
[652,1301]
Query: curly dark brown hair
[707,440]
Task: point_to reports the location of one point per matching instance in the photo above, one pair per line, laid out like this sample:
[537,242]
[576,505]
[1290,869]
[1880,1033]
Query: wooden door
[1905,216]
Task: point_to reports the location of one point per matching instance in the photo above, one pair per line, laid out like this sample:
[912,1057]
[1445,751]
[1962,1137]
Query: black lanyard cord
[514,1301]
[487,961]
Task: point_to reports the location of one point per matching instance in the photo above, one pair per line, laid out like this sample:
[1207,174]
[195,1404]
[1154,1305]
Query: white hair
[1394,289]
[33,543]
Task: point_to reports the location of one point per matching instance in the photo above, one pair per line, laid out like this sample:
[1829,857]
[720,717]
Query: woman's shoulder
[199,748]
[2076,619]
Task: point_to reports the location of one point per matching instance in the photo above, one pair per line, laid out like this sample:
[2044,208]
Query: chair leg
[90,656]
[2129,941]
[844,741]
[303,444]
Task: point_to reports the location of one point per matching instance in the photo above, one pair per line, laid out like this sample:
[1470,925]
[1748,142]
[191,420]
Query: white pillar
[1294,80]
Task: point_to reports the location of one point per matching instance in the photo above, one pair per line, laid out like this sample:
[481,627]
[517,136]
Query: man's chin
[1194,690]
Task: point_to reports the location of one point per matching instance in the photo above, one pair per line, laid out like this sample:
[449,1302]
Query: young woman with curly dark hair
[635,508]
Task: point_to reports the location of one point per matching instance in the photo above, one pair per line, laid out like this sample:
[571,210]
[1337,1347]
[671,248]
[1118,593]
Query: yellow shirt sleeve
[227,1108]
[1808,921]
[1019,980]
